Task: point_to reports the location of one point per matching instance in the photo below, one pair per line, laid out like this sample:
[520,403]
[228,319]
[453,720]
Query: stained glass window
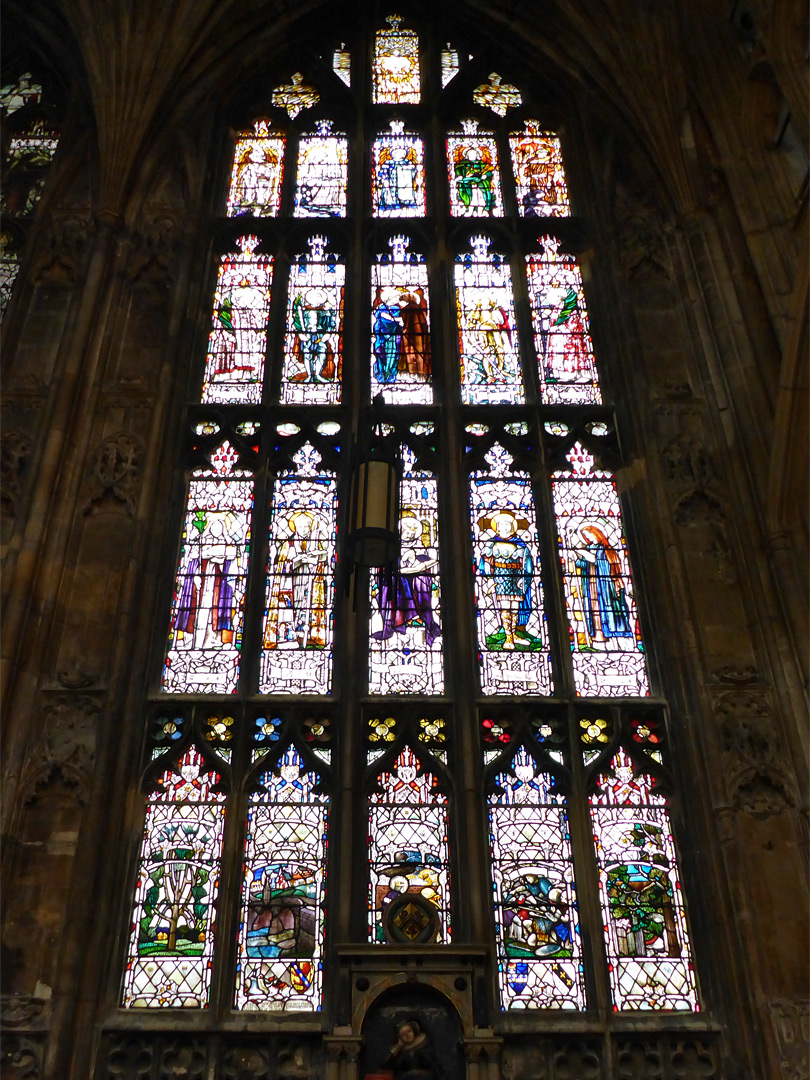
[472,163]
[279,966]
[295,96]
[564,350]
[400,326]
[539,950]
[238,340]
[342,64]
[449,63]
[409,897]
[539,175]
[322,173]
[313,351]
[23,92]
[398,174]
[497,95]
[512,634]
[396,65]
[258,163]
[171,943]
[9,268]
[405,646]
[645,924]
[297,627]
[487,335]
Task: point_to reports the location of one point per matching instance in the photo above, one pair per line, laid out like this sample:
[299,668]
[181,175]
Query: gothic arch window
[396,224]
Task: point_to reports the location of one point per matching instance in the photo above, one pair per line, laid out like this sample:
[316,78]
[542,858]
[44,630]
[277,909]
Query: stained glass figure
[472,165]
[405,641]
[487,335]
[398,174]
[235,367]
[297,630]
[258,163]
[409,896]
[539,174]
[449,64]
[645,924]
[205,636]
[9,268]
[29,155]
[497,95]
[539,950]
[400,326]
[606,642]
[295,96]
[395,72]
[512,633]
[279,965]
[323,162]
[564,350]
[313,352]
[23,92]
[342,64]
[171,943]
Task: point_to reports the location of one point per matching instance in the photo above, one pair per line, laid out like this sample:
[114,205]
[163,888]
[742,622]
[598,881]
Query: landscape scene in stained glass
[323,161]
[405,637]
[472,163]
[539,175]
[539,951]
[395,71]
[400,326]
[608,654]
[487,335]
[172,939]
[234,369]
[313,350]
[564,349]
[512,633]
[646,934]
[279,966]
[258,163]
[398,173]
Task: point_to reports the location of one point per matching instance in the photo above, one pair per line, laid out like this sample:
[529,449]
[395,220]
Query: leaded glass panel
[258,164]
[475,182]
[323,162]
[313,350]
[400,326]
[539,175]
[398,174]
[395,73]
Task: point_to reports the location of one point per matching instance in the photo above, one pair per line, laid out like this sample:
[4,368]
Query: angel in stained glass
[397,178]
[474,170]
[256,177]
[506,569]
[607,614]
[406,596]
[297,613]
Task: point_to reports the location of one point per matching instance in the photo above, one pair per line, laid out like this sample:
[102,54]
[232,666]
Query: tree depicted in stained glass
[539,950]
[323,162]
[398,173]
[410,880]
[400,326]
[645,924]
[512,634]
[280,947]
[472,163]
[497,95]
[539,175]
[205,636]
[9,268]
[405,639]
[313,349]
[487,335]
[297,629]
[258,163]
[172,937]
[561,337]
[236,346]
[606,641]
[395,70]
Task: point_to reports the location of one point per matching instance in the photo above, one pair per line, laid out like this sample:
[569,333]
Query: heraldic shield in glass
[472,164]
[205,636]
[405,640]
[512,633]
[323,163]
[313,348]
[487,335]
[398,174]
[172,938]
[400,326]
[238,341]
[395,72]
[539,951]
[297,632]
[281,928]
[561,336]
[539,175]
[606,642]
[645,923]
[258,164]
[409,898]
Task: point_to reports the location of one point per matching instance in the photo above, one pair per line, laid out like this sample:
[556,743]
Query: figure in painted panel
[606,611]
[564,343]
[314,319]
[506,568]
[415,351]
[397,178]
[256,178]
[474,172]
[411,1056]
[406,596]
[534,916]
[205,608]
[388,333]
[238,319]
[491,322]
[296,610]
[541,177]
